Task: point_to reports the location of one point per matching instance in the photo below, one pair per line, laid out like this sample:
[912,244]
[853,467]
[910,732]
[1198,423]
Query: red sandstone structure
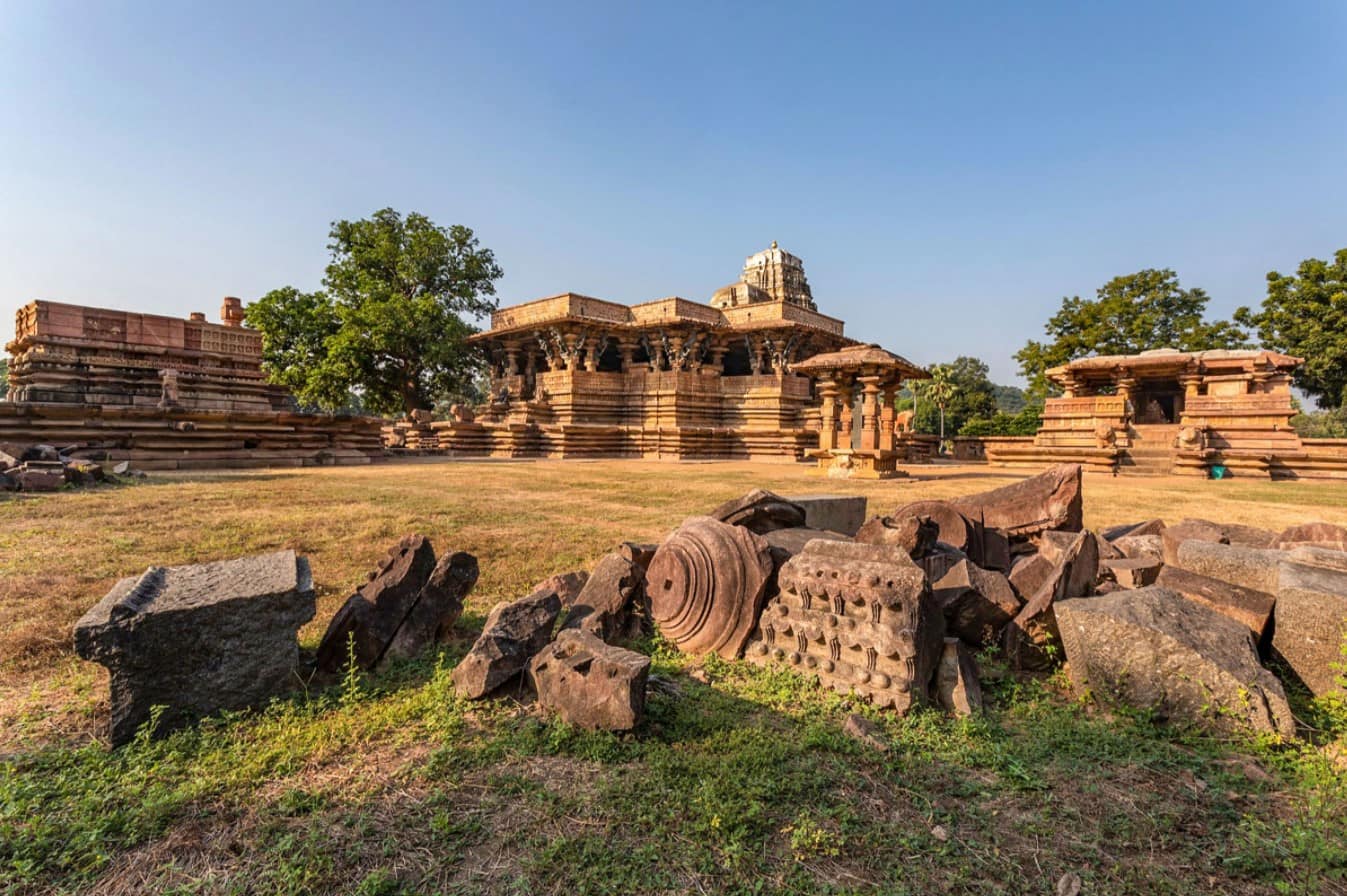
[163,392]
[1167,411]
[575,376]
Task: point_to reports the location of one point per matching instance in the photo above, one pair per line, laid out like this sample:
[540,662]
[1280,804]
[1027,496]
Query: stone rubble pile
[1177,620]
[43,468]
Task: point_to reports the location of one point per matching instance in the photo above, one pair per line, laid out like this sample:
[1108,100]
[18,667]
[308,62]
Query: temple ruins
[574,376]
[1166,411]
[163,393]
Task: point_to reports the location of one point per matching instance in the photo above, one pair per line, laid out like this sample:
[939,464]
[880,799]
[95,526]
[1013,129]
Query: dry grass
[409,790]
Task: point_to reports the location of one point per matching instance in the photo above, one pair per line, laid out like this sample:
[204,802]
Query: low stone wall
[153,439]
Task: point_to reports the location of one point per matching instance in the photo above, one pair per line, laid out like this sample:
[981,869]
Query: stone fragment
[1251,567]
[860,617]
[1188,530]
[1249,536]
[7,484]
[1029,573]
[37,476]
[40,454]
[122,468]
[760,511]
[371,617]
[1154,650]
[957,689]
[198,639]
[916,535]
[706,585]
[952,527]
[1050,500]
[860,728]
[996,553]
[977,603]
[1325,535]
[938,561]
[83,472]
[1105,547]
[1133,572]
[1314,555]
[1252,608]
[590,684]
[437,607]
[834,513]
[610,606]
[567,586]
[790,542]
[1031,638]
[1149,527]
[1134,546]
[513,634]
[640,554]
[1310,627]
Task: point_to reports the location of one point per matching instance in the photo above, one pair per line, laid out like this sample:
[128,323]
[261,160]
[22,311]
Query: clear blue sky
[948,171]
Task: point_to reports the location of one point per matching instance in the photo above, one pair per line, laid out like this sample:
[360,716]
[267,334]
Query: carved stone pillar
[511,358]
[845,393]
[593,348]
[869,412]
[1125,386]
[887,416]
[1259,381]
[716,363]
[676,360]
[827,437]
[626,347]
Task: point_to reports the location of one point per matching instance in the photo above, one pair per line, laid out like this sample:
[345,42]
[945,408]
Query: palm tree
[940,390]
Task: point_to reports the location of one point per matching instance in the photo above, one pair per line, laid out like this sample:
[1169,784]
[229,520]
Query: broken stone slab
[1133,572]
[1031,639]
[590,684]
[1134,546]
[916,535]
[938,561]
[1148,527]
[1314,555]
[1188,530]
[957,689]
[834,513]
[36,476]
[83,472]
[1105,547]
[1187,663]
[437,607]
[567,586]
[611,604]
[786,543]
[198,639]
[1254,568]
[1030,572]
[513,634]
[977,603]
[640,554]
[371,617]
[1050,500]
[1245,605]
[1249,536]
[1327,535]
[706,586]
[1310,625]
[859,616]
[760,511]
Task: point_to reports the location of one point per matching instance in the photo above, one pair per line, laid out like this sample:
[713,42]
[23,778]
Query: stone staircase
[1151,452]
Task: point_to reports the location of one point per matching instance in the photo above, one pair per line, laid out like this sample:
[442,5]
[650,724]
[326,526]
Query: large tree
[390,326]
[1306,315]
[1131,314]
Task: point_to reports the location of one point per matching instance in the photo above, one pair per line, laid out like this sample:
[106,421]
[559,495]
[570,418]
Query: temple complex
[573,375]
[162,392]
[1167,411]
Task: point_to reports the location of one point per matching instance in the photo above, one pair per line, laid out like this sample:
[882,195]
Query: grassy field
[741,780]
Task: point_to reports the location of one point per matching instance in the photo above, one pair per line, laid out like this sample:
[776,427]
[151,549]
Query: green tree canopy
[1131,314]
[390,324]
[1306,315]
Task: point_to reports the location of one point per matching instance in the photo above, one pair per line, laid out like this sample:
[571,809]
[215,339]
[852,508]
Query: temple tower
[780,275]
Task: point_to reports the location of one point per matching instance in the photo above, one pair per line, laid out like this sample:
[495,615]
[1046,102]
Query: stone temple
[572,375]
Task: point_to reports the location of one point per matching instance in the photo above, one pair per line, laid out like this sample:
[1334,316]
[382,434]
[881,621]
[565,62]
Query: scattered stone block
[590,684]
[1251,567]
[706,585]
[916,535]
[610,606]
[1249,536]
[437,608]
[952,527]
[371,617]
[83,472]
[37,476]
[938,561]
[1134,546]
[957,689]
[1031,638]
[1149,527]
[1154,650]
[1188,530]
[1133,572]
[514,633]
[1326,535]
[1050,500]
[1245,605]
[760,511]
[977,602]
[567,586]
[861,617]
[198,639]
[1310,630]
[1314,555]
[834,513]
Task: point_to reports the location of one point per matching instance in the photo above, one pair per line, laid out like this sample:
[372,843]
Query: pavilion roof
[860,357]
[1165,359]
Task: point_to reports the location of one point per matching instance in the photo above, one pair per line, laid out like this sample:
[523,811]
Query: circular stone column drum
[706,585]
